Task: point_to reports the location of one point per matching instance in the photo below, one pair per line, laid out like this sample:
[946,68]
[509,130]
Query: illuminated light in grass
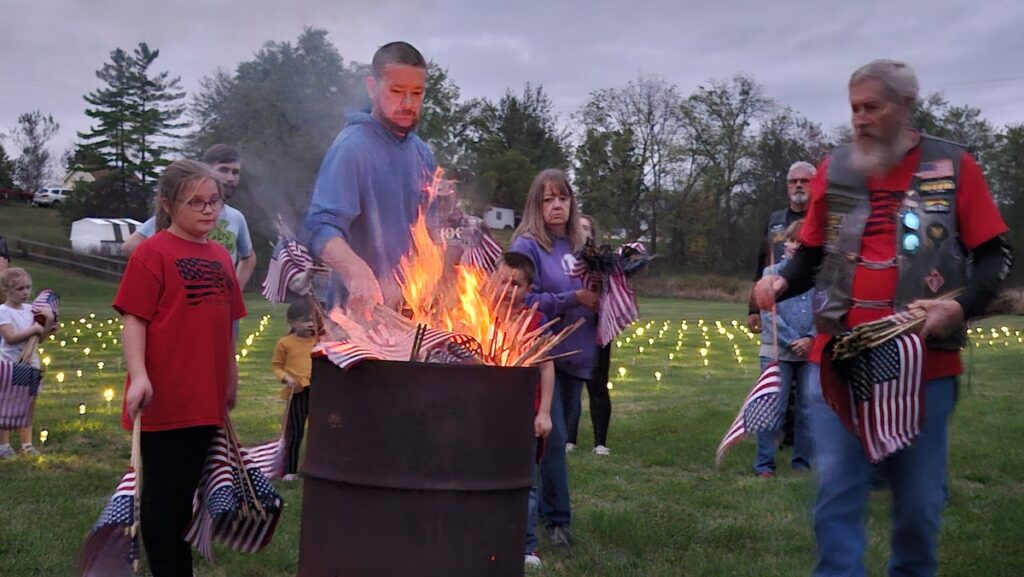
[108,394]
[705,362]
[121,327]
[245,352]
[640,332]
[671,356]
[43,435]
[739,360]
[74,339]
[60,377]
[81,320]
[86,351]
[641,349]
[53,337]
[100,365]
[103,346]
[703,353]
[657,376]
[237,358]
[46,361]
[650,342]
[62,324]
[618,344]
[611,385]
[92,315]
[81,409]
[622,372]
[78,373]
[88,326]
[114,341]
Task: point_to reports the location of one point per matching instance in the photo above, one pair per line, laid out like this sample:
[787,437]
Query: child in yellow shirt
[292,364]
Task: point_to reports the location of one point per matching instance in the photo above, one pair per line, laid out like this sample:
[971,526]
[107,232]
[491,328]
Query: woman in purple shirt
[550,235]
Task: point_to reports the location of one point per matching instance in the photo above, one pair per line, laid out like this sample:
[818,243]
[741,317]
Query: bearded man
[896,219]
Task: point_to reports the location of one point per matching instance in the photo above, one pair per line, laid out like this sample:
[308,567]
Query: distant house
[101,235]
[77,176]
[499,218]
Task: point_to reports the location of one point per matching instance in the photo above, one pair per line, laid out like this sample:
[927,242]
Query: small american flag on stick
[19,384]
[760,411]
[290,259]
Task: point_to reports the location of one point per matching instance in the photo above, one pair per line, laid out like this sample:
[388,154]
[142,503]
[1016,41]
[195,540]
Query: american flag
[484,255]
[760,411]
[269,457]
[618,302]
[347,354]
[888,397]
[289,260]
[112,546]
[46,300]
[19,384]
[224,510]
[937,169]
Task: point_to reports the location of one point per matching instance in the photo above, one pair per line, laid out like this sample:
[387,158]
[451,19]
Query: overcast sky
[801,51]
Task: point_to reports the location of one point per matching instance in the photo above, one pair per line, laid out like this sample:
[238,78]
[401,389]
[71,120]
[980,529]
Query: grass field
[33,223]
[655,507]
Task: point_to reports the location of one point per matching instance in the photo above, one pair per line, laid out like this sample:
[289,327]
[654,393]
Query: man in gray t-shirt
[232,231]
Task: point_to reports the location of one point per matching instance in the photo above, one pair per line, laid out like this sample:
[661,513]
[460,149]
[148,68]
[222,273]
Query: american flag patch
[936,169]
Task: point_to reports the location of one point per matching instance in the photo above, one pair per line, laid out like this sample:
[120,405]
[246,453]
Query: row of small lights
[108,393]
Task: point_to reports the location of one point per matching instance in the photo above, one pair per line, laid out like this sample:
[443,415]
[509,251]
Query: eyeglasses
[911,222]
[799,181]
[199,205]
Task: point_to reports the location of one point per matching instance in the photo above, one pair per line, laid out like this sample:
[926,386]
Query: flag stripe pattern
[888,395]
[19,385]
[223,510]
[484,255]
[760,411]
[289,260]
[111,545]
[47,299]
[347,354]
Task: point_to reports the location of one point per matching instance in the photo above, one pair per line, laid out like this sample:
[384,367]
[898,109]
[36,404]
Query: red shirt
[188,294]
[978,221]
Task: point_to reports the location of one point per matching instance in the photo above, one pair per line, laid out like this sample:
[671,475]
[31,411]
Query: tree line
[693,174]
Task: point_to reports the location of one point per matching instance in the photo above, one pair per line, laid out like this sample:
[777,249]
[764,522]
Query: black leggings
[298,411]
[172,463]
[600,402]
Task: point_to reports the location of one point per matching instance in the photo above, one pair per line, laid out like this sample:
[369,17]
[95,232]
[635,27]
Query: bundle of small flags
[760,411]
[234,503]
[19,385]
[878,394]
[347,354]
[45,309]
[610,269]
[289,261]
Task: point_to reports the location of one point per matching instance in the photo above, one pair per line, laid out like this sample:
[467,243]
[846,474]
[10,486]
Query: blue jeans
[805,375]
[916,475]
[531,515]
[554,505]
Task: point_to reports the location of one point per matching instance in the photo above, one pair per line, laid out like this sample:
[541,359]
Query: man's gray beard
[799,197]
[878,157]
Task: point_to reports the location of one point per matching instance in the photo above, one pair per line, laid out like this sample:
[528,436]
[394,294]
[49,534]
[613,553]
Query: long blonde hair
[533,225]
[176,177]
[9,279]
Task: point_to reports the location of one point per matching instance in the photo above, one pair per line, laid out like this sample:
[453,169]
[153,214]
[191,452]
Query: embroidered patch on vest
[936,205]
[938,169]
[937,232]
[820,300]
[934,281]
[937,185]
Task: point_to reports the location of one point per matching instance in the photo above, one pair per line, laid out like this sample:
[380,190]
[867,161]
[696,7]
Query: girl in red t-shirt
[178,299]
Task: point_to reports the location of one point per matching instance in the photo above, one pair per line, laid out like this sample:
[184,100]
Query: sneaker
[290,477]
[569,447]
[559,535]
[766,474]
[6,452]
[29,451]
[602,450]
[531,560]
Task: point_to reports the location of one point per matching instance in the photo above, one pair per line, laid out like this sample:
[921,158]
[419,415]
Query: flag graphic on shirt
[204,279]
[888,396]
[19,384]
[760,411]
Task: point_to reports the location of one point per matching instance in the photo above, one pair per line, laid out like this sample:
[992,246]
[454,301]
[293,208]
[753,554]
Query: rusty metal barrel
[416,469]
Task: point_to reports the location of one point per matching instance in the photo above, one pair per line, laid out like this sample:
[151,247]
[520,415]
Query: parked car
[16,195]
[50,196]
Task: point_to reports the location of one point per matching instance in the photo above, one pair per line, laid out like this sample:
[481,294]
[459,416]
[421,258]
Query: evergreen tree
[32,168]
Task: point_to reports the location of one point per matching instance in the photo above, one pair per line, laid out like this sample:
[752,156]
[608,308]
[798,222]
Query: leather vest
[931,265]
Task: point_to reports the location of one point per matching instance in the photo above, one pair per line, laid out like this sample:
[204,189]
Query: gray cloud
[802,51]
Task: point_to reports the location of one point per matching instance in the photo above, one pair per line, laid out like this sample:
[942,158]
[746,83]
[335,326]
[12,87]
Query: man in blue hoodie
[370,185]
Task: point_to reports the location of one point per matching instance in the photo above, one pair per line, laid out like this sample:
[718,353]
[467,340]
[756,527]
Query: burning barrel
[416,469]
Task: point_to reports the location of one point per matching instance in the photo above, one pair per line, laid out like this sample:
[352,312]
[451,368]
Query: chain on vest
[930,257]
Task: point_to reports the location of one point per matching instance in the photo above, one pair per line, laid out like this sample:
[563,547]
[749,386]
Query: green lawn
[655,507]
[41,224]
